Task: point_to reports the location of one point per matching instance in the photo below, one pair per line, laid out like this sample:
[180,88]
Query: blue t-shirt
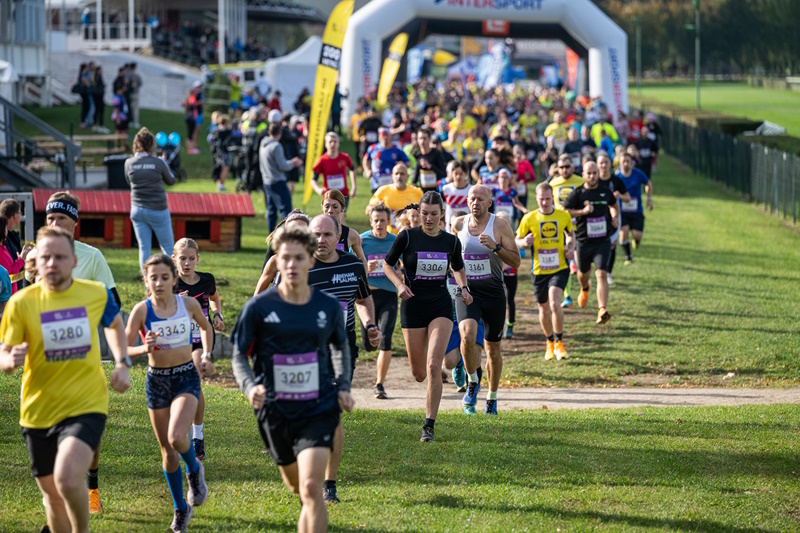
[376,249]
[5,285]
[634,184]
[504,201]
[383,161]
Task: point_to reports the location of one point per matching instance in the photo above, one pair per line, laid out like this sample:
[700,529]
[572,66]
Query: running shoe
[95,507]
[199,448]
[628,261]
[610,279]
[635,244]
[560,351]
[181,521]
[583,297]
[45,529]
[380,392]
[198,490]
[549,353]
[221,187]
[329,495]
[567,303]
[427,434]
[603,316]
[509,331]
[460,376]
[471,396]
[491,407]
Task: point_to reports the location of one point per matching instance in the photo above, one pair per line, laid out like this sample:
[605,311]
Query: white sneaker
[610,280]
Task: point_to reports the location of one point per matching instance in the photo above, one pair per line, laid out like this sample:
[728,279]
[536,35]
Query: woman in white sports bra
[164,322]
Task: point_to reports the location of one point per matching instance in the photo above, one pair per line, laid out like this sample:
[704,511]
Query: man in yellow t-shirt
[397,195]
[51,329]
[527,121]
[558,130]
[548,231]
[461,124]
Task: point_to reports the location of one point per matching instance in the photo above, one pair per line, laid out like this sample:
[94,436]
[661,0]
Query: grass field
[689,469]
[737,99]
[713,290]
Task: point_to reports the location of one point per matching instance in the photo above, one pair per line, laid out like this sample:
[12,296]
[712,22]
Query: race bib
[522,188]
[196,329]
[505,208]
[548,259]
[596,227]
[477,266]
[172,331]
[336,182]
[372,136]
[632,206]
[384,180]
[645,152]
[427,178]
[378,272]
[340,246]
[576,160]
[452,287]
[528,132]
[66,334]
[431,265]
[296,376]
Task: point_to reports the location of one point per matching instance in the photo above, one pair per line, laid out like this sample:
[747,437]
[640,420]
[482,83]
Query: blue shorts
[165,384]
[233,105]
[455,337]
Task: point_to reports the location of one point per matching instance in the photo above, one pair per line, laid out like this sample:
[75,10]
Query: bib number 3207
[296,376]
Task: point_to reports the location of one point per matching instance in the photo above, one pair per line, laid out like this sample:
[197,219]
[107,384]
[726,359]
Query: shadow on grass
[621,519]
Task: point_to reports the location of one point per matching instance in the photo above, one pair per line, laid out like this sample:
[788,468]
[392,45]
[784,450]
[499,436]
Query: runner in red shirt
[334,166]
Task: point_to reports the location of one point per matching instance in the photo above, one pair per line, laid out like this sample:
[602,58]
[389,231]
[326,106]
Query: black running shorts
[543,282]
[590,252]
[386,318]
[286,438]
[43,443]
[490,308]
[634,221]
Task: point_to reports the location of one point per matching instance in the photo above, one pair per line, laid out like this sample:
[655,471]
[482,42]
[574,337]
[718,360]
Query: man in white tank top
[486,242]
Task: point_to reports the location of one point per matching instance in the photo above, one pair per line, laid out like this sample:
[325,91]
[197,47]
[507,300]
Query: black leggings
[511,291]
[385,315]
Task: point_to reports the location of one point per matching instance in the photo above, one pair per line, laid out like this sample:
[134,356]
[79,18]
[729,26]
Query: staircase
[19,153]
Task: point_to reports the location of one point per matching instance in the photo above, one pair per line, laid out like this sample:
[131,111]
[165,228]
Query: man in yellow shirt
[51,329]
[461,124]
[548,231]
[563,184]
[397,195]
[558,130]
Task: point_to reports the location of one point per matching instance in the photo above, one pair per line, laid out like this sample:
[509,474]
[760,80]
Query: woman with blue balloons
[147,175]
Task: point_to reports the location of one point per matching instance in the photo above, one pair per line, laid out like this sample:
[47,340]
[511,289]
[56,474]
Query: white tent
[8,80]
[291,73]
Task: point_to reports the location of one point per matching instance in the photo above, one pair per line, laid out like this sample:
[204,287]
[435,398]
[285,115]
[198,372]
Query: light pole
[696,4]
[638,23]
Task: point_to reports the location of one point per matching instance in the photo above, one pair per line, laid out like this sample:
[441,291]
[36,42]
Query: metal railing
[767,176]
[116,36]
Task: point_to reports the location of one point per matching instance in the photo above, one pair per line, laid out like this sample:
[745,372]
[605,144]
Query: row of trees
[738,36]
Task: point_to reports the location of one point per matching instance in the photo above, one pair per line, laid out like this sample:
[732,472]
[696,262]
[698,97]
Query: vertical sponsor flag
[572,68]
[327,72]
[391,66]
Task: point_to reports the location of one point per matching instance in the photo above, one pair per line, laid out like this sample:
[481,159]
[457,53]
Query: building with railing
[22,40]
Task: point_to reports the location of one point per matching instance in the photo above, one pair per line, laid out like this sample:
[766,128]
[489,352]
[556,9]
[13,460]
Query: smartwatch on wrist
[497,248]
[218,314]
[126,361]
[370,326]
[207,355]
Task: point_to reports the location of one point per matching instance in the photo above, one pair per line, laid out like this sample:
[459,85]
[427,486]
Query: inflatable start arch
[579,23]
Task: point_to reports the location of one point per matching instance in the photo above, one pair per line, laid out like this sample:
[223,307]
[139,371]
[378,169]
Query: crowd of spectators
[199,44]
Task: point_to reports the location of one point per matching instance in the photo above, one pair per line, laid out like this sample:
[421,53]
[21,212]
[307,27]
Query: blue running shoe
[469,409]
[471,396]
[567,303]
[491,407]
[460,376]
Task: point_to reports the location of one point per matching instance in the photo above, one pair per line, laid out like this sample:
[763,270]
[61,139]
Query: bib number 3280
[66,334]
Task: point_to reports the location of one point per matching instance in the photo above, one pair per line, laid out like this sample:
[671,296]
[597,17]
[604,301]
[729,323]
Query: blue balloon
[174,139]
[161,139]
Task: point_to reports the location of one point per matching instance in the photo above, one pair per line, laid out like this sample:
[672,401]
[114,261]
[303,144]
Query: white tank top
[484,268]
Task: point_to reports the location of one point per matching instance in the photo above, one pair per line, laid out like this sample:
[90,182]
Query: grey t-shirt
[145,173]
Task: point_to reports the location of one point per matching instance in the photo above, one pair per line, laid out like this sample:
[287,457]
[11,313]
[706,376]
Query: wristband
[207,355]
[463,288]
[218,314]
[371,326]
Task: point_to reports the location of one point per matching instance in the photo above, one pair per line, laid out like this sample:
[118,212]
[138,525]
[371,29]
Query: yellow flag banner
[391,65]
[327,72]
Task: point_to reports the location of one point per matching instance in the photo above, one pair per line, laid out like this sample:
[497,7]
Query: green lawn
[737,99]
[648,469]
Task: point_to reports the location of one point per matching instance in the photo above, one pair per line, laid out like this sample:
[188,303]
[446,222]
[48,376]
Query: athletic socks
[558,336]
[175,484]
[473,378]
[91,479]
[551,338]
[429,422]
[627,247]
[329,484]
[491,395]
[197,431]
[190,459]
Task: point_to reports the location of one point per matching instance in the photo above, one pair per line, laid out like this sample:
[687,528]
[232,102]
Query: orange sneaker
[583,297]
[95,507]
[603,316]
[549,354]
[560,351]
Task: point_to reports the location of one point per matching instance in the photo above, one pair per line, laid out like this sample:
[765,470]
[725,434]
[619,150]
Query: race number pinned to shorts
[477,266]
[632,206]
[427,178]
[173,331]
[66,334]
[196,329]
[378,272]
[431,265]
[296,376]
[335,182]
[548,259]
[596,227]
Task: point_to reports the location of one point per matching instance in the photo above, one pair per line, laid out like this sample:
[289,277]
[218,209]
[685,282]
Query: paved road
[583,398]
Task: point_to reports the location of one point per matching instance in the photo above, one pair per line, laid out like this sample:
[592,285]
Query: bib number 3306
[431,265]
